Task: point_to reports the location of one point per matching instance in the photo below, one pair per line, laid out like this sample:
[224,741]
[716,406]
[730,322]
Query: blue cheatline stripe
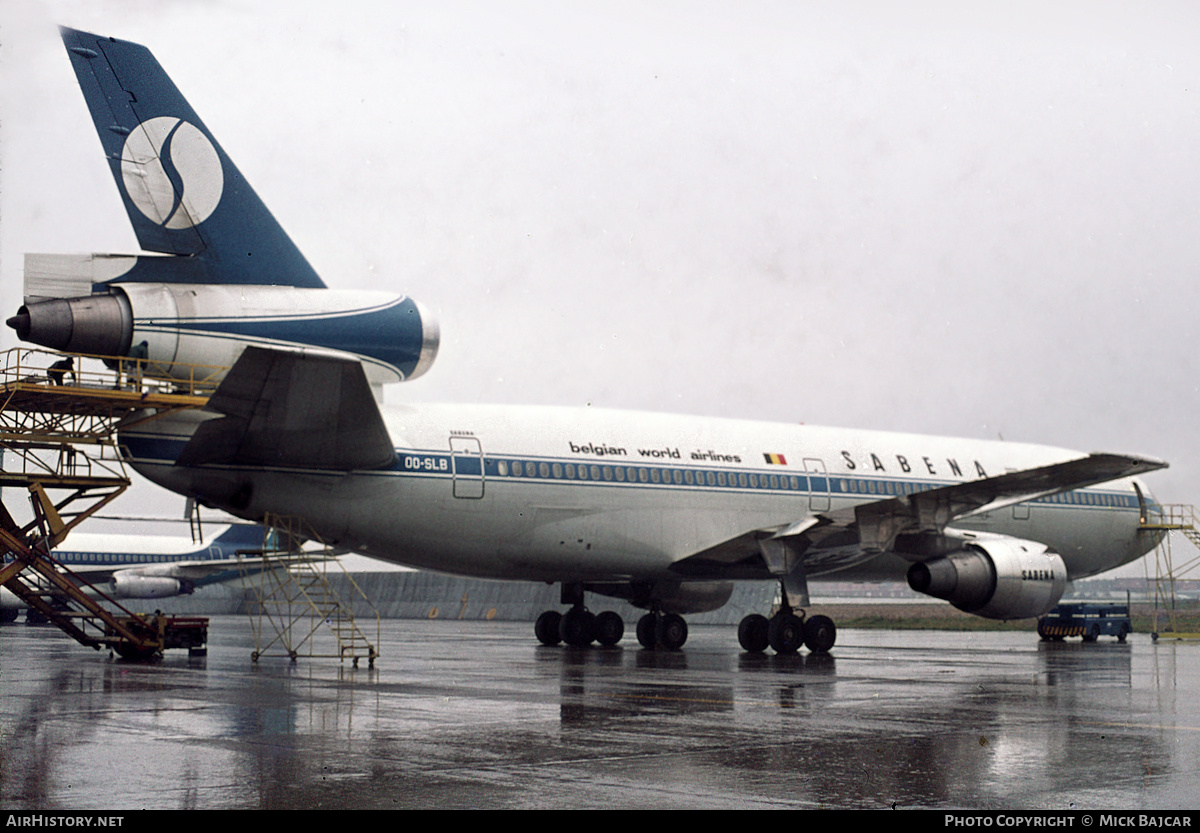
[392,334]
[557,470]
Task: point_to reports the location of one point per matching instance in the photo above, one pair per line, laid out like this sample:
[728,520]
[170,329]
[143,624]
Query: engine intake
[100,324]
[996,577]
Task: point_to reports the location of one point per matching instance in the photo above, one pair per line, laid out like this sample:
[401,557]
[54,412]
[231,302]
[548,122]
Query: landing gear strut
[785,632]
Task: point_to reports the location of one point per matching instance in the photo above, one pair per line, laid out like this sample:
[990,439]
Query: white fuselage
[560,494]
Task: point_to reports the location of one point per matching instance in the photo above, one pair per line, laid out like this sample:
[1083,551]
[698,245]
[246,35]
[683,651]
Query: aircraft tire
[645,631]
[9,614]
[578,627]
[671,632]
[546,628]
[785,633]
[819,634]
[752,633]
[610,627]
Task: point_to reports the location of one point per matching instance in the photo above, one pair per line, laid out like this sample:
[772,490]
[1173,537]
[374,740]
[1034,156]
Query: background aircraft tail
[183,194]
[246,534]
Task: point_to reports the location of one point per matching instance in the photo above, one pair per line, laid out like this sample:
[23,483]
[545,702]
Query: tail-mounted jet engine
[226,275]
[170,324]
[997,578]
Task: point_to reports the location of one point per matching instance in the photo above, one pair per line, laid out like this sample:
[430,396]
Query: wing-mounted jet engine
[228,276]
[996,577]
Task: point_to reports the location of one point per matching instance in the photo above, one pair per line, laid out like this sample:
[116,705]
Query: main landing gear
[579,627]
[785,632]
[662,630]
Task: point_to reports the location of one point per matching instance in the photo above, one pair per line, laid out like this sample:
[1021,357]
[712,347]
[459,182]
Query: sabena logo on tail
[172,172]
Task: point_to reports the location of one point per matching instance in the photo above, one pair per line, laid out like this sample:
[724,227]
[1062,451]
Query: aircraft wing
[934,510]
[297,410]
[830,540]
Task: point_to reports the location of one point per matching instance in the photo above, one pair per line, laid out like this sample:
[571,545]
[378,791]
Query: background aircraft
[148,566]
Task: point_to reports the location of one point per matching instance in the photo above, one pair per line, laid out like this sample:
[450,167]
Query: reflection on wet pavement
[477,714]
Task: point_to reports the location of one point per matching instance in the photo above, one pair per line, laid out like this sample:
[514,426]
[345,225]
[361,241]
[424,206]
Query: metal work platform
[1173,517]
[58,428]
[294,599]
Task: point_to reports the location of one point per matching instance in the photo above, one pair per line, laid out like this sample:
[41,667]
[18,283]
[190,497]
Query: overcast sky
[966,218]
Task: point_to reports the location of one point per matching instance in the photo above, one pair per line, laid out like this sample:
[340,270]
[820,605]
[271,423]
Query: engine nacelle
[996,577]
[171,324]
[128,585]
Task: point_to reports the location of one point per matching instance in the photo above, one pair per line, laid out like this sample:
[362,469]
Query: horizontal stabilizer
[72,276]
[292,410]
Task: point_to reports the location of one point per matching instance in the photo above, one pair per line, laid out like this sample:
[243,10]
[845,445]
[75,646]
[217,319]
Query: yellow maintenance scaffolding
[59,420]
[59,417]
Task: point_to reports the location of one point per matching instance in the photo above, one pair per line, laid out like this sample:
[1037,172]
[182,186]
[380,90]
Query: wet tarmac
[477,715]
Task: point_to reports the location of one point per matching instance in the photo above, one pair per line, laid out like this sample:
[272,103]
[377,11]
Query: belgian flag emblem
[775,459]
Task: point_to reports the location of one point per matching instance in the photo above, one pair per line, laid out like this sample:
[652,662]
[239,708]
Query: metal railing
[296,610]
[33,366]
[1169,569]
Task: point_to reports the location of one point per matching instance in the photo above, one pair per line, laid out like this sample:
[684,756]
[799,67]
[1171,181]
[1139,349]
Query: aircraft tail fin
[249,534]
[183,194]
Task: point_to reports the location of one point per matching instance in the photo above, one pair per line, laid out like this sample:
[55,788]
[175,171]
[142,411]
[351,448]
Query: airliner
[149,567]
[664,511]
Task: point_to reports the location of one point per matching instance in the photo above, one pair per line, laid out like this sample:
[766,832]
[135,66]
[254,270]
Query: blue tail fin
[182,193]
[248,534]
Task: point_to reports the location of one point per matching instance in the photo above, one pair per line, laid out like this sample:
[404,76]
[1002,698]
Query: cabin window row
[752,480]
[640,474]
